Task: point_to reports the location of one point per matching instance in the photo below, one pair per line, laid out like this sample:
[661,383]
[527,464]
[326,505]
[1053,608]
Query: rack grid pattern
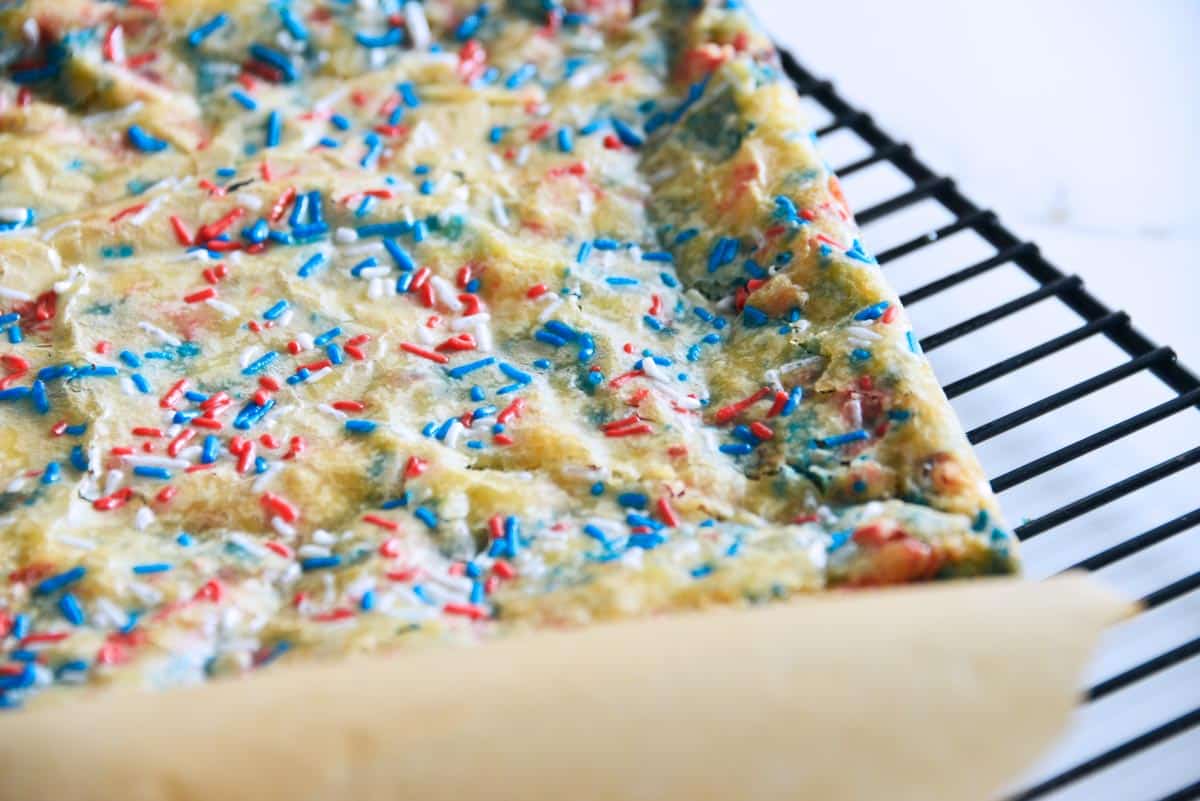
[1091,773]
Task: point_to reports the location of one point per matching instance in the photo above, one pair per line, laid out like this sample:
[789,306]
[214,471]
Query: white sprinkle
[248,355]
[127,386]
[161,335]
[144,518]
[323,537]
[141,460]
[474,321]
[31,31]
[551,306]
[495,162]
[304,340]
[318,375]
[332,412]
[375,288]
[446,293]
[15,294]
[453,433]
[14,214]
[112,481]
[865,333]
[308,550]
[226,309]
[145,592]
[417,25]
[374,272]
[246,542]
[499,212]
[345,235]
[252,202]
[108,614]
[75,542]
[523,156]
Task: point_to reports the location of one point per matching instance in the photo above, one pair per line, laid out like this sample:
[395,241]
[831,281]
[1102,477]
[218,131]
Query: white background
[1078,121]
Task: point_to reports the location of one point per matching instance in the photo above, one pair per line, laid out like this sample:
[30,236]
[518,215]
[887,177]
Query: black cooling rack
[1140,356]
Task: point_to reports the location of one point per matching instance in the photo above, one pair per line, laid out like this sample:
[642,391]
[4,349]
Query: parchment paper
[926,693]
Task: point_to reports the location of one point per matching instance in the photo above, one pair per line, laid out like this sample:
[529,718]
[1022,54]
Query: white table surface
[1077,122]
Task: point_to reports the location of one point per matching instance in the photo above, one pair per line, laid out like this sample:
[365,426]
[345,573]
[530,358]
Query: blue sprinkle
[635,500]
[276,310]
[79,459]
[150,568]
[320,562]
[55,583]
[520,76]
[793,401]
[464,369]
[702,571]
[426,516]
[244,100]
[293,25]
[496,134]
[408,94]
[201,33]
[561,329]
[754,317]
[340,122]
[477,393]
[274,128]
[144,141]
[515,374]
[394,36]
[859,355]
[686,235]
[367,602]
[587,347]
[913,345]
[628,136]
[595,533]
[149,471]
[604,243]
[361,426]
[658,255]
[736,448]
[335,354]
[71,610]
[40,401]
[399,255]
[52,473]
[20,626]
[621,280]
[837,539]
[15,336]
[184,539]
[275,59]
[365,264]
[646,541]
[10,317]
[652,322]
[327,337]
[873,312]
[261,363]
[210,449]
[314,261]
[597,488]
[565,141]
[842,439]
[585,248]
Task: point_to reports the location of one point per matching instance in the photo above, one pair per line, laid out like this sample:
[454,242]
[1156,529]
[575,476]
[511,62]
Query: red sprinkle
[201,295]
[513,409]
[382,522]
[215,229]
[667,513]
[537,290]
[166,494]
[349,405]
[280,506]
[126,212]
[761,430]
[417,350]
[727,413]
[465,610]
[168,400]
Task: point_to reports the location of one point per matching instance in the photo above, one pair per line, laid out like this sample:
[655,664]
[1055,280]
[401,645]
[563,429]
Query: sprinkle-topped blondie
[330,326]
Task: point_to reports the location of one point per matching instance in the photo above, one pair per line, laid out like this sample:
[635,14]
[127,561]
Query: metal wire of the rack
[1143,356]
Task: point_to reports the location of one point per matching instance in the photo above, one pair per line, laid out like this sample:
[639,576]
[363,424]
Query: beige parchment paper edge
[935,692]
